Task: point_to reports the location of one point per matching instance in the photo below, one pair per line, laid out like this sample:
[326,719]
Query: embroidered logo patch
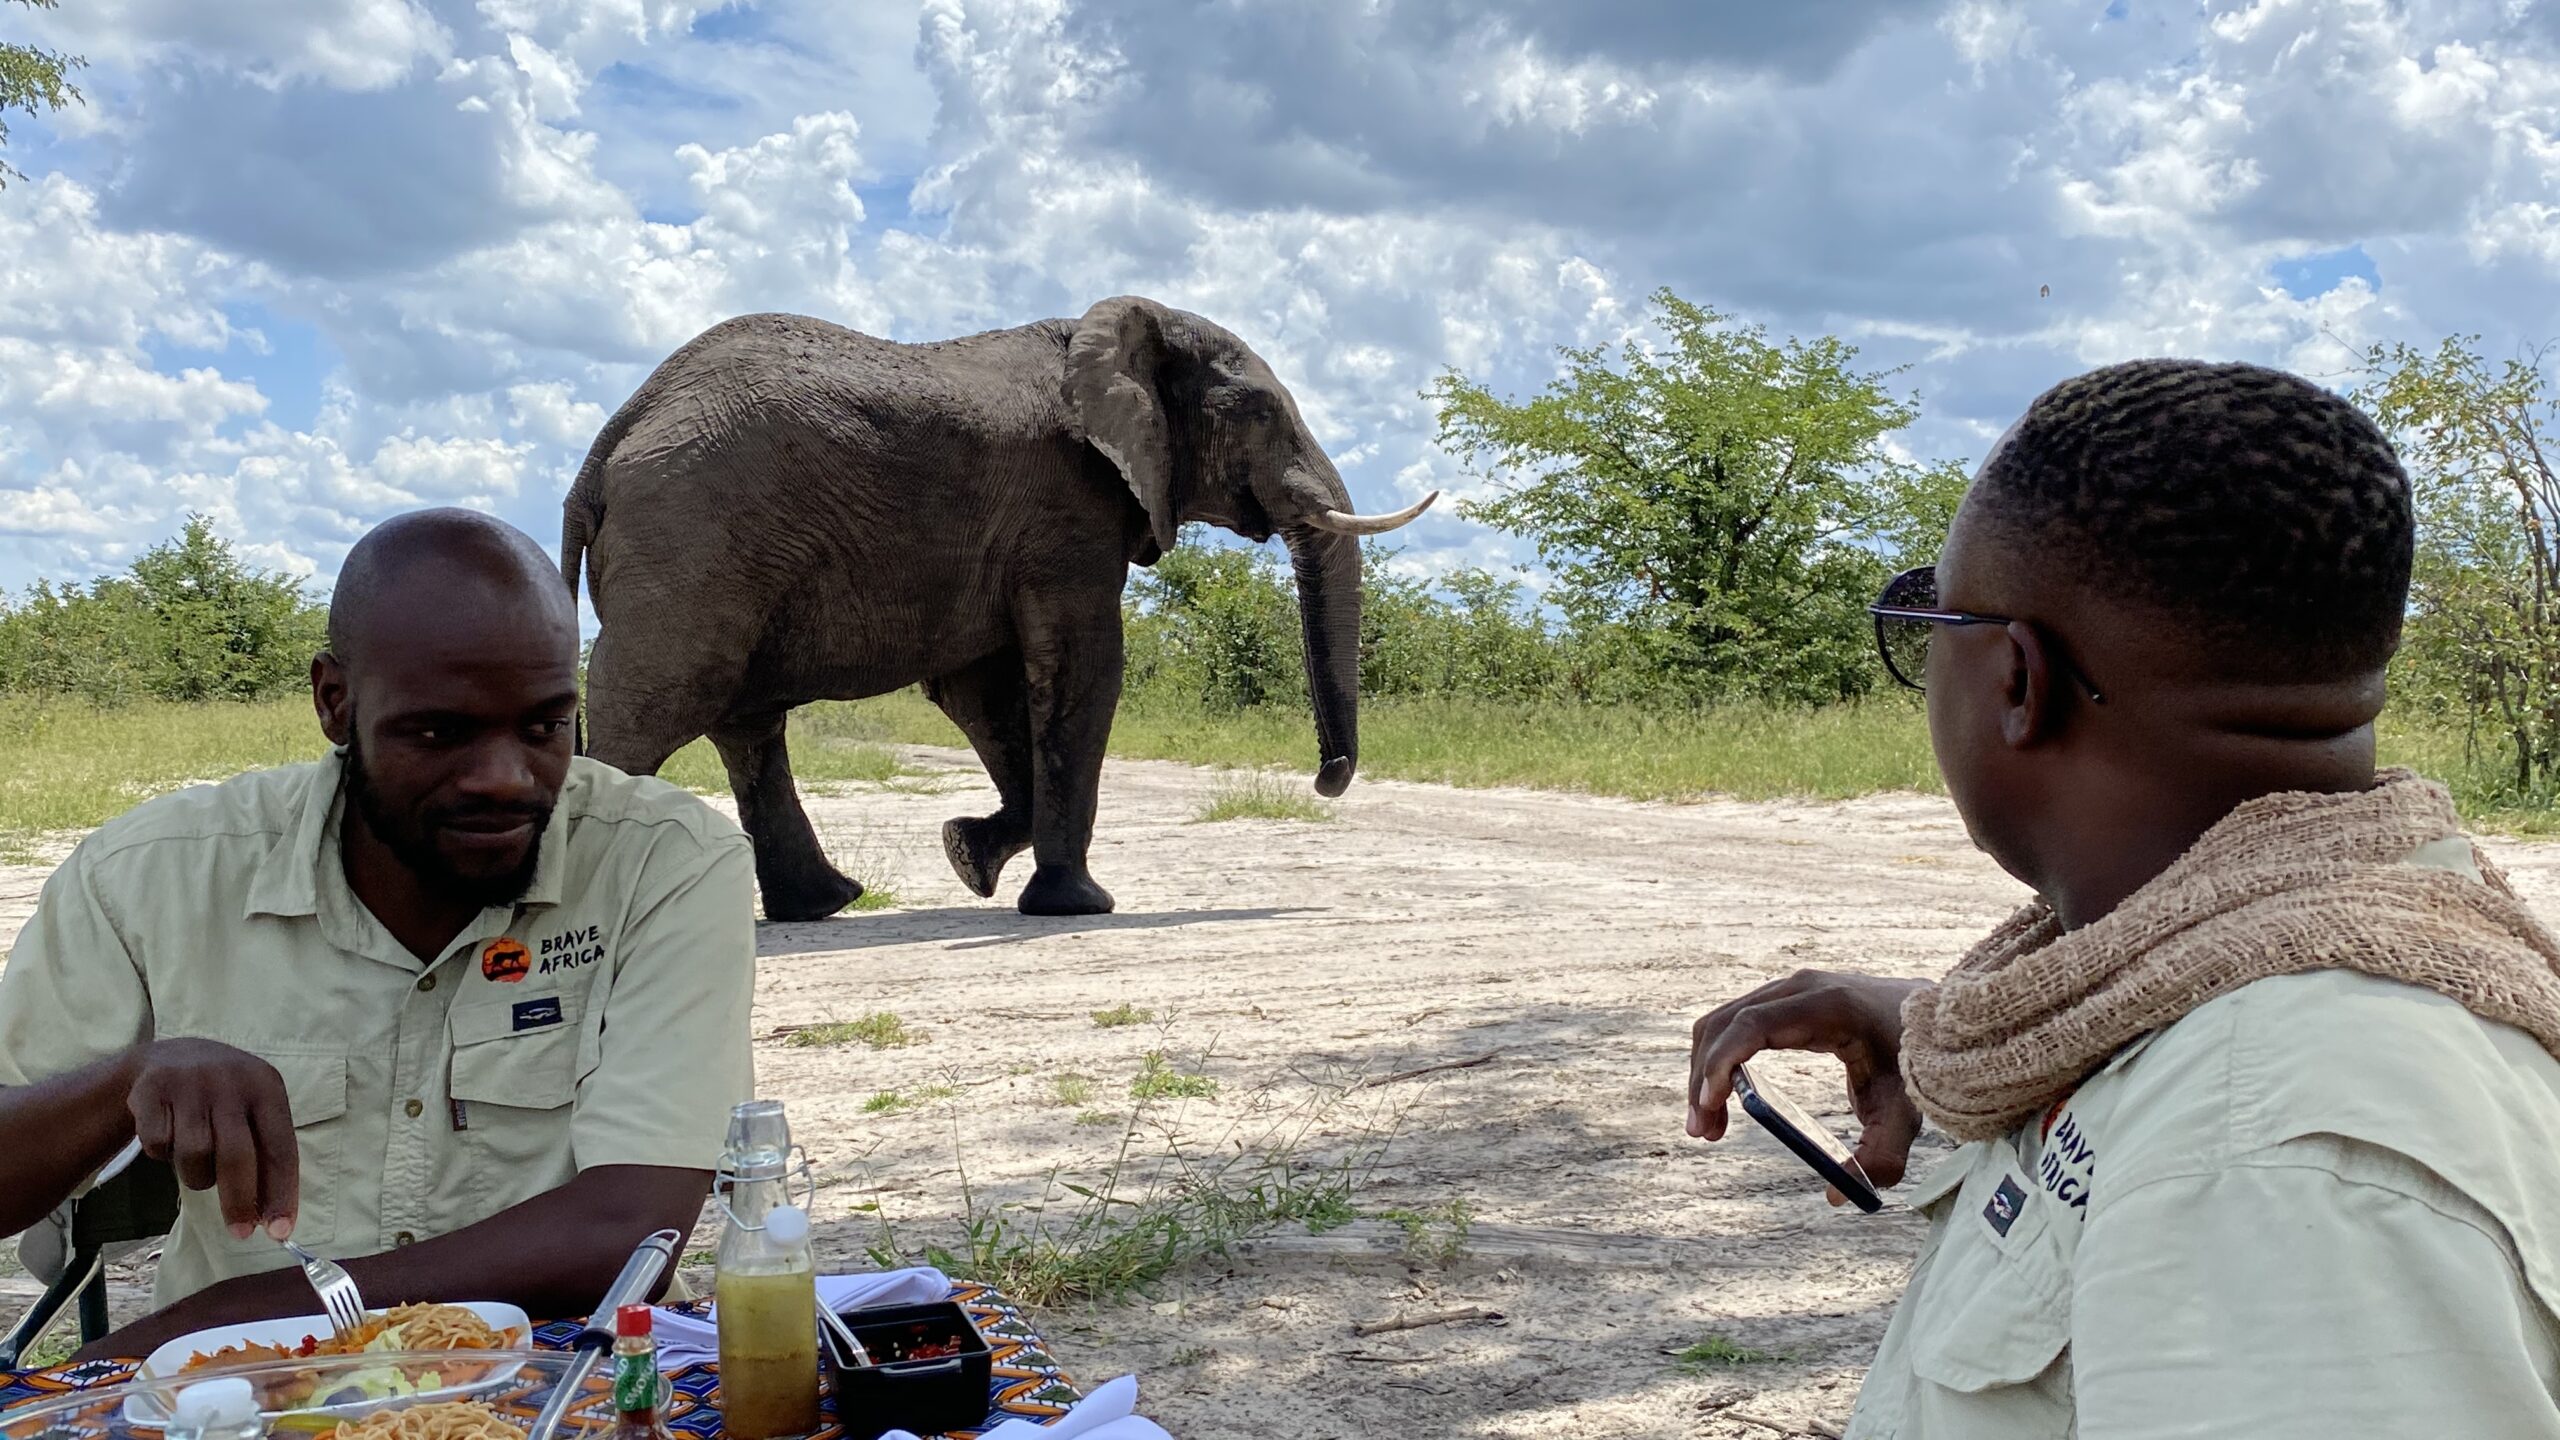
[505,961]
[2006,1203]
[534,1014]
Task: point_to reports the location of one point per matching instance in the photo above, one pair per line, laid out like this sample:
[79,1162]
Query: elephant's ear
[1113,365]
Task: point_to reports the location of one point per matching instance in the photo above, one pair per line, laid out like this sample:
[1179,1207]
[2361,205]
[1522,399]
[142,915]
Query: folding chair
[132,1202]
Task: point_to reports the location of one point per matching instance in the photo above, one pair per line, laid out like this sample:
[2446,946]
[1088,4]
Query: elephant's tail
[582,510]
[582,514]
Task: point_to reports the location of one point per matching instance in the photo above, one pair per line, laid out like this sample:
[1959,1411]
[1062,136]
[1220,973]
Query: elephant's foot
[811,897]
[978,850]
[1061,891]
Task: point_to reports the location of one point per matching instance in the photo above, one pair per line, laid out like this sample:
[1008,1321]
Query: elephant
[788,510]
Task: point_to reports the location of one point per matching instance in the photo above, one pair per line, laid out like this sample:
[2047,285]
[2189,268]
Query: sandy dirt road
[1573,938]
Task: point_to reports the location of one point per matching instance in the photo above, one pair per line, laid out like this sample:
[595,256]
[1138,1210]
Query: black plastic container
[928,1396]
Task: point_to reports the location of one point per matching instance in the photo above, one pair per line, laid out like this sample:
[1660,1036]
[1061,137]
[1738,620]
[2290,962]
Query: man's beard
[411,840]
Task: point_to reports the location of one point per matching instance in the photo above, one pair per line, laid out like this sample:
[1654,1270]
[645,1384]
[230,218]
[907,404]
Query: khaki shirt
[2324,1205]
[601,1021]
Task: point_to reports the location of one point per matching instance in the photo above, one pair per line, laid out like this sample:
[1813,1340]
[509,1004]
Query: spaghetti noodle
[452,1420]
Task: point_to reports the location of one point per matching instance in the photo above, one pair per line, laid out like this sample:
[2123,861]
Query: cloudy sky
[300,264]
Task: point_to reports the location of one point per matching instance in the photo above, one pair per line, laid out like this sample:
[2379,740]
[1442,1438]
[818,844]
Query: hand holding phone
[1856,1019]
[1810,1139]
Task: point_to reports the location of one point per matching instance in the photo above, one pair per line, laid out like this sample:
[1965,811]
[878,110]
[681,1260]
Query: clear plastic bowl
[293,1395]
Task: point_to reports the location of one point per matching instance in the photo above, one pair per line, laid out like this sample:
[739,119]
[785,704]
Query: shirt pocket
[315,1089]
[1995,1316]
[515,1086]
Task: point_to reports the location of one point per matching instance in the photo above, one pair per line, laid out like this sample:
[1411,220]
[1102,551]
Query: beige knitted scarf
[2283,884]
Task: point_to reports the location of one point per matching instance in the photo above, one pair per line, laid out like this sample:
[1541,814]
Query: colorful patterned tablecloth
[1027,1383]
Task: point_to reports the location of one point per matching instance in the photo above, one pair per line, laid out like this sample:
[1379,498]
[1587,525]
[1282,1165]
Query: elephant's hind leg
[989,704]
[791,866]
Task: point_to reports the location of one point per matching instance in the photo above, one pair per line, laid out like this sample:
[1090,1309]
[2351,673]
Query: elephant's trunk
[1328,573]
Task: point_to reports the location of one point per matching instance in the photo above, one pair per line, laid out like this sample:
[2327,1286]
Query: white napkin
[685,1340]
[1106,1414]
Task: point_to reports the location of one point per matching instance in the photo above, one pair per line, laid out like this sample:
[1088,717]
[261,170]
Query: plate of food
[502,1407]
[300,1368]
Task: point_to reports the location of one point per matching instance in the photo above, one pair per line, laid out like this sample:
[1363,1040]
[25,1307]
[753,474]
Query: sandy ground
[1576,937]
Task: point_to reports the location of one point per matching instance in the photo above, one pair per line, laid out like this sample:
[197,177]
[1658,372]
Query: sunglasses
[1908,611]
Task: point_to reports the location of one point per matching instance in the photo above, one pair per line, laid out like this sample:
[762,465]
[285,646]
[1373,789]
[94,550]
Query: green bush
[189,621]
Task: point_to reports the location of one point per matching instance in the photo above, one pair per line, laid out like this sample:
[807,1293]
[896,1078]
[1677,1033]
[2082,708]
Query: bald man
[452,1005]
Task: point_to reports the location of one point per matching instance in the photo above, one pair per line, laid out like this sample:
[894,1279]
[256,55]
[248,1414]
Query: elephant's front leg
[791,866]
[1071,665]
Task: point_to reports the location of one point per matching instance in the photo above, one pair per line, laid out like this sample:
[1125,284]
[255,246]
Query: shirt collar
[287,883]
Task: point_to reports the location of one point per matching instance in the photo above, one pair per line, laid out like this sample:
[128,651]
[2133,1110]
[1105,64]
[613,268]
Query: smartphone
[1813,1142]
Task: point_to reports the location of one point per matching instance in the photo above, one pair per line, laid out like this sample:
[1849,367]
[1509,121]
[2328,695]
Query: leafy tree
[189,621]
[32,78]
[228,630]
[2483,638]
[1218,627]
[1717,512]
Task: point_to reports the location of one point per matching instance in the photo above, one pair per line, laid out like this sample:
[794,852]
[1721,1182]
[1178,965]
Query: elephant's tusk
[1343,523]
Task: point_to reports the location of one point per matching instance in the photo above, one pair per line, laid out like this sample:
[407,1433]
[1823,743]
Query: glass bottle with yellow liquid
[766,1297]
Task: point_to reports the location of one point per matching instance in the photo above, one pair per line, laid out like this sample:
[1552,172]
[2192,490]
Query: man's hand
[220,1118]
[1855,1017]
[554,1254]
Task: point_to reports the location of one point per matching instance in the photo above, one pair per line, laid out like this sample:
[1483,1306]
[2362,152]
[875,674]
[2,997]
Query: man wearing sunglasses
[2259,1097]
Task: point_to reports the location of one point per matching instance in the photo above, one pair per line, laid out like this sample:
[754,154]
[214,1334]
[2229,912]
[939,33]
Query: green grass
[1717,1352]
[1158,1080]
[68,767]
[1747,752]
[1096,1118]
[890,1102]
[1155,1208]
[1437,1235]
[1072,1090]
[832,743]
[1254,795]
[880,1030]
[1121,1015]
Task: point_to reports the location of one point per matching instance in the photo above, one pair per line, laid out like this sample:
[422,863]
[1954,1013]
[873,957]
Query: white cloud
[349,44]
[299,265]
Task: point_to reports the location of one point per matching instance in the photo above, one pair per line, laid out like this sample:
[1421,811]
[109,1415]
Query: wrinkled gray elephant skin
[789,511]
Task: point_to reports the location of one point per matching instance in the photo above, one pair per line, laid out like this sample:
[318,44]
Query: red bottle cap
[631,1320]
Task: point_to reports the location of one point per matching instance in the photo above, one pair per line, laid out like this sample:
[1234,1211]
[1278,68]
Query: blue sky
[307,263]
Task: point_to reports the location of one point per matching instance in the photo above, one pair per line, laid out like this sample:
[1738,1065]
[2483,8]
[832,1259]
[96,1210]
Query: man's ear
[2028,716]
[329,697]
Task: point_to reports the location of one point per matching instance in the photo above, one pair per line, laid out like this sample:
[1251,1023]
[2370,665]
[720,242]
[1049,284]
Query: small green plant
[874,899]
[1437,1236]
[1256,796]
[1152,1213]
[1195,1355]
[880,1030]
[1158,1080]
[1716,1352]
[1072,1090]
[1122,1015]
[701,1257]
[887,1102]
[56,1347]
[1096,1118]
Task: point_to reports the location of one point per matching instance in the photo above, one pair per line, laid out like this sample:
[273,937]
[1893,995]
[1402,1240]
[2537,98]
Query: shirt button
[415,1108]
[427,983]
[403,1238]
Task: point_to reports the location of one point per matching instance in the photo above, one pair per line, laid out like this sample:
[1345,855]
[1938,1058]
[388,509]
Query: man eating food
[2259,1095]
[449,1005]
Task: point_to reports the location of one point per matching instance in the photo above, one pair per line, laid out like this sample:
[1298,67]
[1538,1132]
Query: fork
[337,1290]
